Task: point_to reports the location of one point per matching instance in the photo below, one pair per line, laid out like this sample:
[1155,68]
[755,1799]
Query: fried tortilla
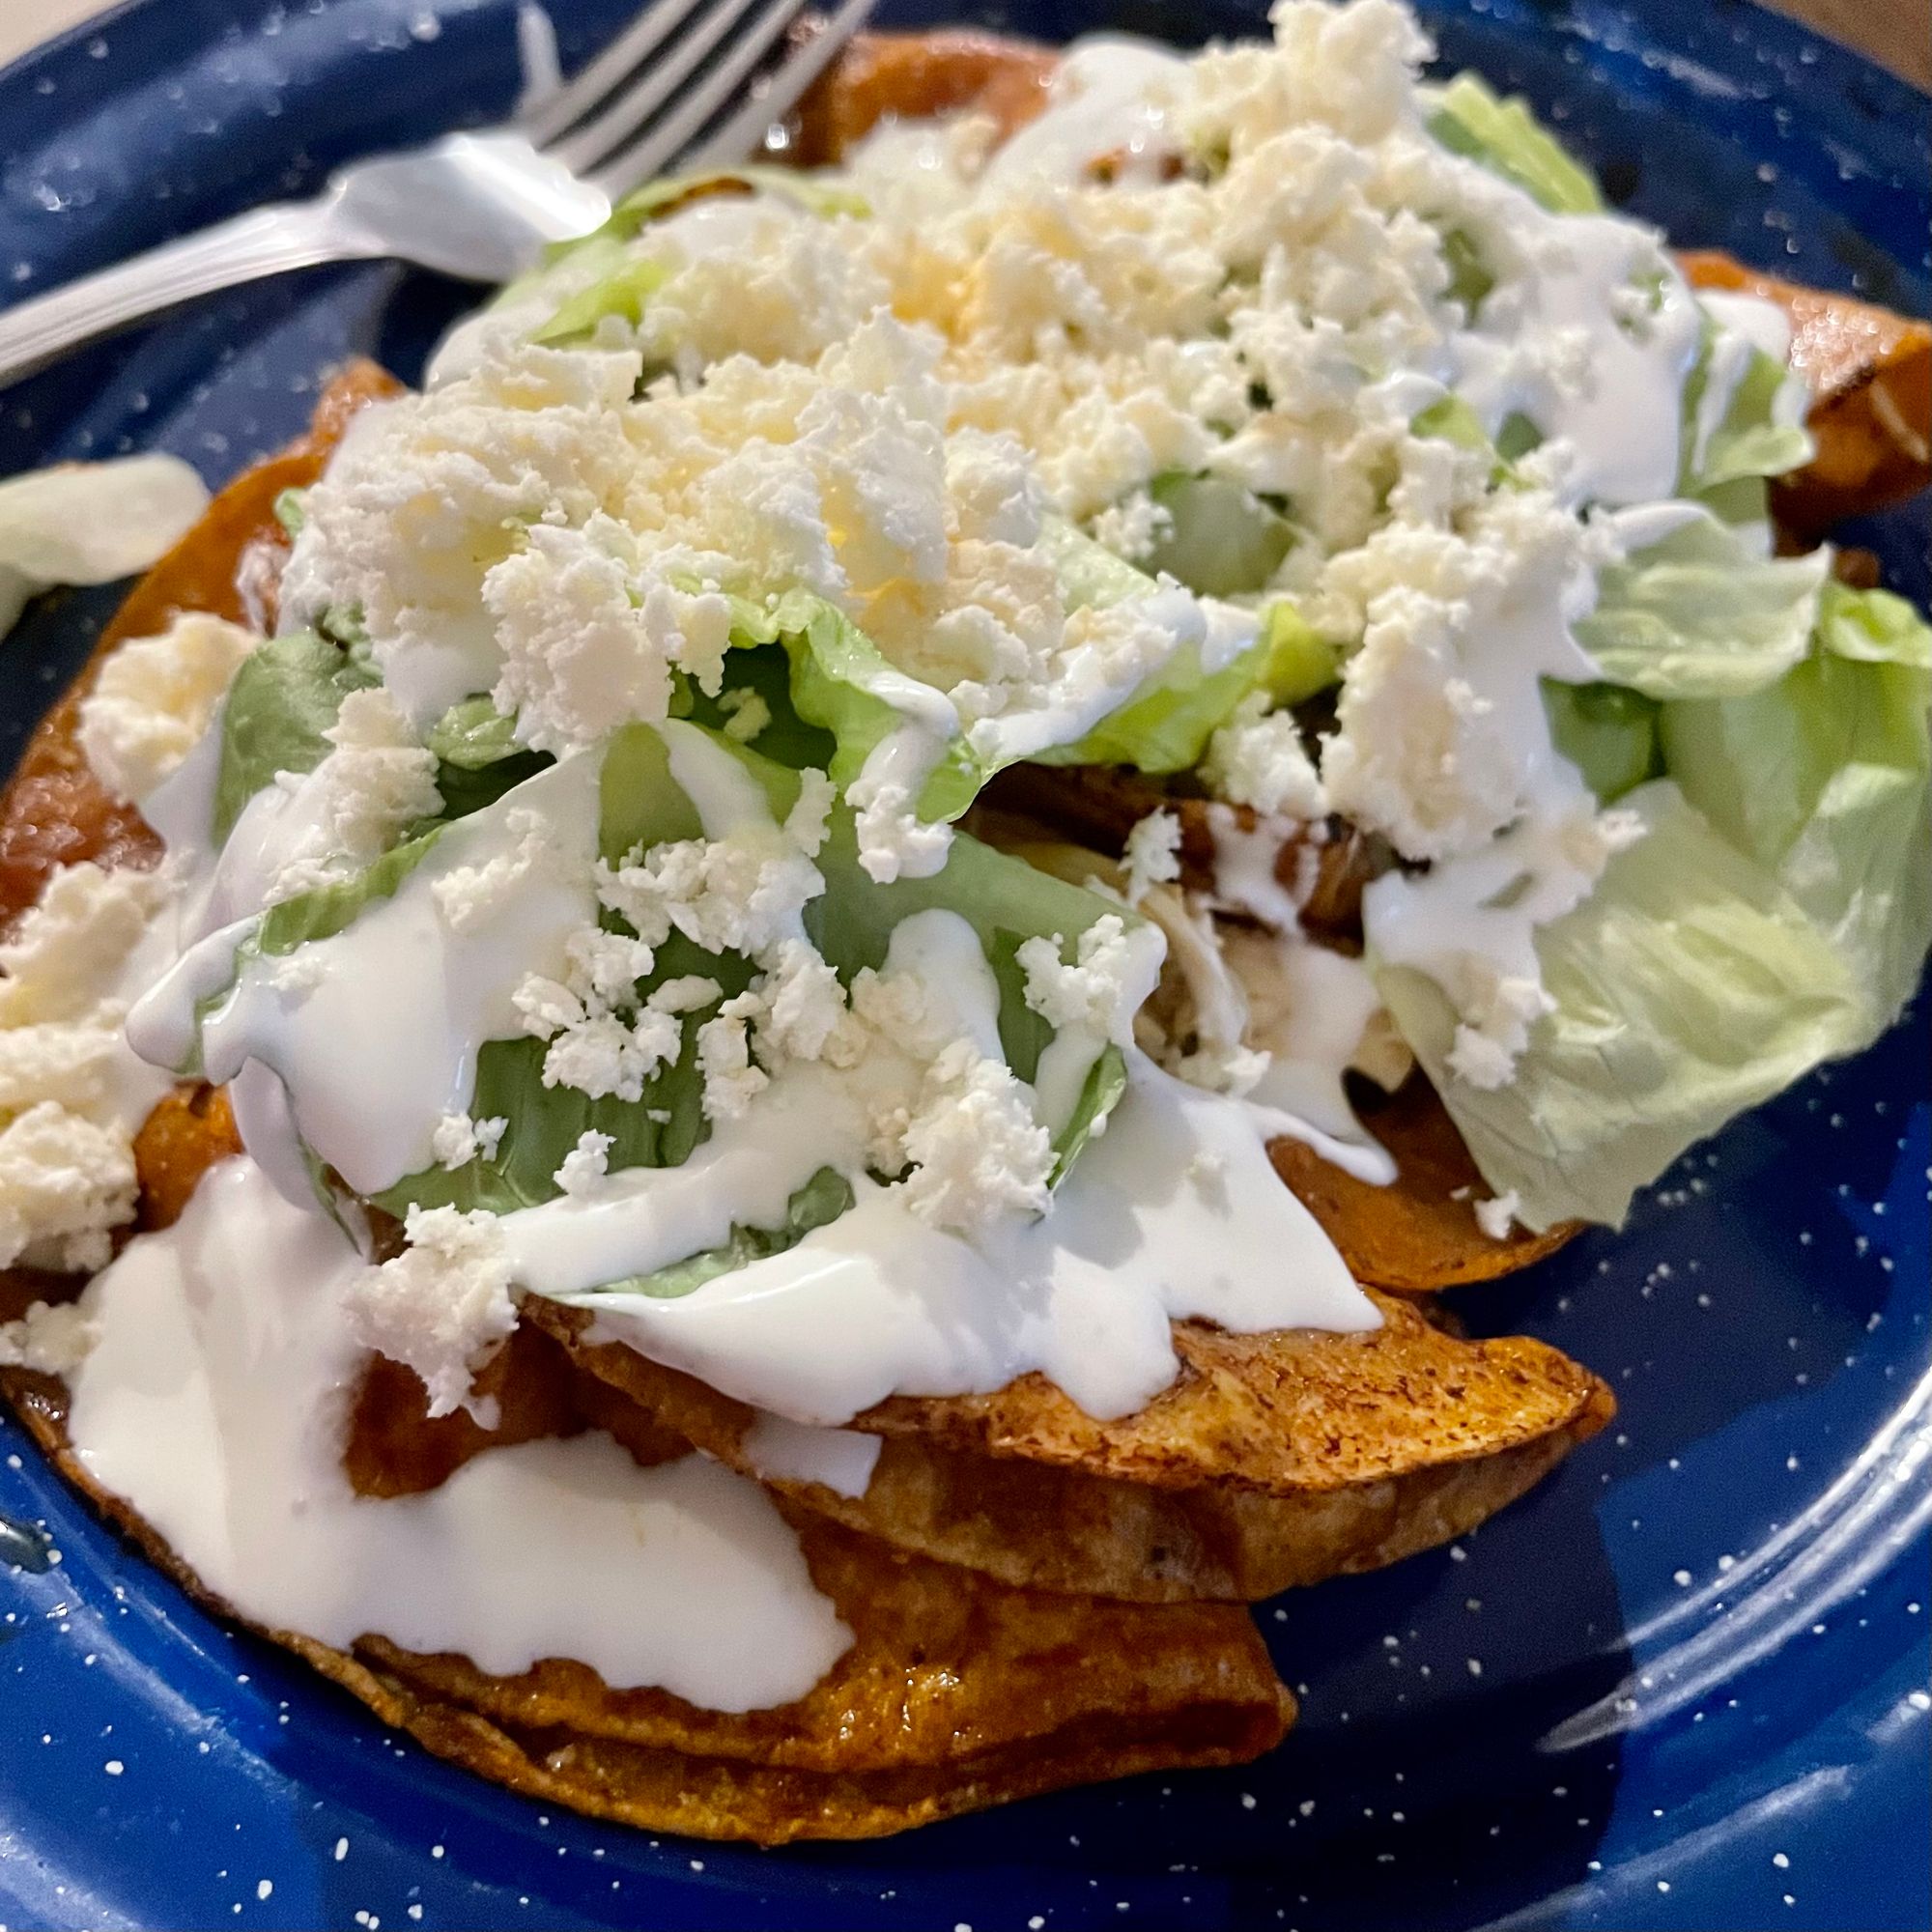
[1871,372]
[1272,1460]
[957,1692]
[916,76]
[1420,1234]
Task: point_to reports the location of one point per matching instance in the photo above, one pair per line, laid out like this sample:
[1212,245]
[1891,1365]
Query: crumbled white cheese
[731,1081]
[67,950]
[976,1152]
[686,994]
[1153,854]
[1496,1217]
[745,714]
[155,696]
[50,1340]
[742,893]
[584,1166]
[375,784]
[1257,758]
[65,1180]
[440,1305]
[1112,974]
[469,897]
[1131,527]
[457,1140]
[602,1055]
[587,647]
[70,1096]
[66,1061]
[801,1002]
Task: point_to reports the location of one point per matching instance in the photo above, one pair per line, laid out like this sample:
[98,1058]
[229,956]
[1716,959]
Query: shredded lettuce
[1776,914]
[641,805]
[478,758]
[1688,987]
[324,911]
[1504,136]
[1873,627]
[1166,727]
[1608,732]
[1705,612]
[1762,433]
[643,206]
[1823,778]
[623,292]
[1219,539]
[618,282]
[284,698]
[820,1202]
[840,686]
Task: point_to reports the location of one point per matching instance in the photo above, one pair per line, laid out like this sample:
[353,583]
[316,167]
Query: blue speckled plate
[1683,1684]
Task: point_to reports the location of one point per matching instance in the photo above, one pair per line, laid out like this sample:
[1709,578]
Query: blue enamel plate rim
[1683,1684]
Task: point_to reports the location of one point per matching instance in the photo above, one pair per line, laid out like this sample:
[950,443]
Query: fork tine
[741,135]
[657,146]
[587,91]
[634,106]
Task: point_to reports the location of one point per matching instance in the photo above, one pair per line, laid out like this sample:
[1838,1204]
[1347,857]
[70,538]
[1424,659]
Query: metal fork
[481,206]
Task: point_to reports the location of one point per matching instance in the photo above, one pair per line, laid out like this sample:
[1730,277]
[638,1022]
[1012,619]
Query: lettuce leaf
[1688,986]
[1776,914]
[1005,900]
[1704,612]
[1762,432]
[545,1123]
[1825,779]
[669,192]
[842,686]
[1608,732]
[1221,540]
[284,698]
[622,292]
[1505,137]
[820,1202]
[1166,727]
[1873,627]
[478,758]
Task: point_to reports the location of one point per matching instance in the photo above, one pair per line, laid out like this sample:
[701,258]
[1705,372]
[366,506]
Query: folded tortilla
[957,1692]
[1272,1460]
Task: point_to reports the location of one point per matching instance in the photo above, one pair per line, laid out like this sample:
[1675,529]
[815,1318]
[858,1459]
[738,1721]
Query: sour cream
[214,1404]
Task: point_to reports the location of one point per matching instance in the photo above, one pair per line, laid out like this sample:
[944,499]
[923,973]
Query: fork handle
[265,242]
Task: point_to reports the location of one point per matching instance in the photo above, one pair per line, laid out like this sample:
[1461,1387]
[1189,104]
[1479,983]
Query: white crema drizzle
[214,1403]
